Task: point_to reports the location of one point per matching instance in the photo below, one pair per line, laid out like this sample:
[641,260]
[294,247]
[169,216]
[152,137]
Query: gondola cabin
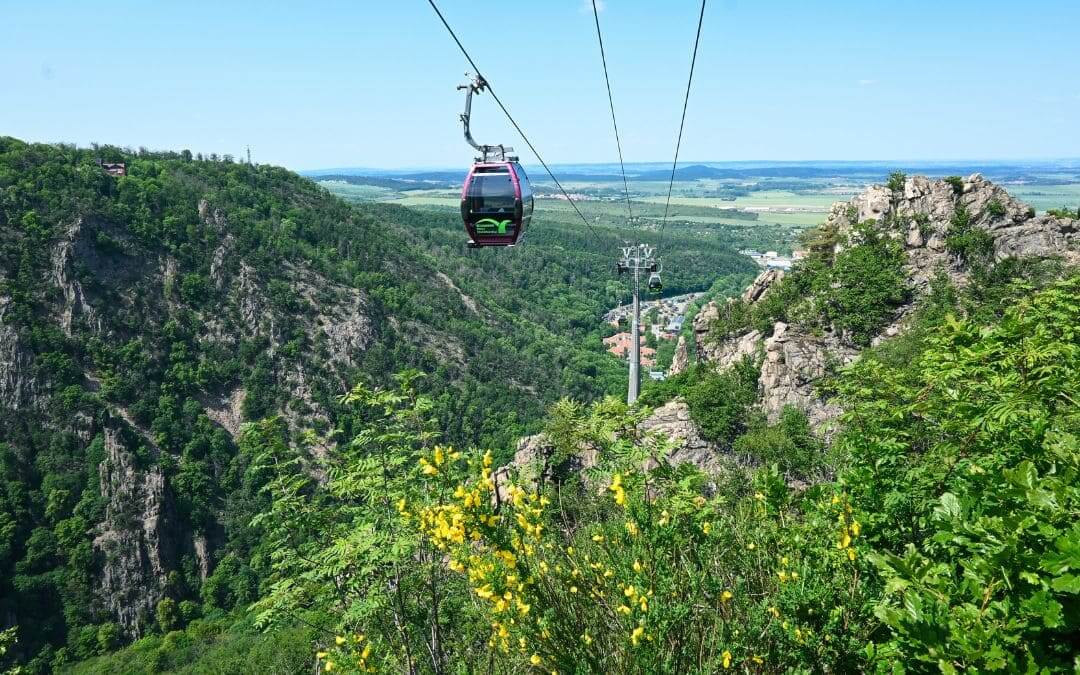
[496,203]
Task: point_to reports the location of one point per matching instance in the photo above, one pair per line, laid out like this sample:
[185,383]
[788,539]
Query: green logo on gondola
[492,226]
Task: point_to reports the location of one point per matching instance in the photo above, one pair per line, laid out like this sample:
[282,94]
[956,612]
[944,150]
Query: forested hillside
[933,528]
[144,318]
[946,541]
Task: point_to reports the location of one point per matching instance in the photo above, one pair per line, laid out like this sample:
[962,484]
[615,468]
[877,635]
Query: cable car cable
[508,116]
[611,104]
[682,122]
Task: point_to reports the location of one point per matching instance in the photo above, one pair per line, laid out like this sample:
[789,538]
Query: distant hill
[399,184]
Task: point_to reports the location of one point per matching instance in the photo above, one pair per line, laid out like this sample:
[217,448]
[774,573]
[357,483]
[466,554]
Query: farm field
[751,211]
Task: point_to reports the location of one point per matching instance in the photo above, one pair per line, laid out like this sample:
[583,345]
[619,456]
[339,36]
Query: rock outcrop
[673,421]
[794,359]
[681,360]
[135,544]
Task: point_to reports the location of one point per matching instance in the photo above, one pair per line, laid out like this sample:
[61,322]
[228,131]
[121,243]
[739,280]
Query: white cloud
[586,6]
[867,83]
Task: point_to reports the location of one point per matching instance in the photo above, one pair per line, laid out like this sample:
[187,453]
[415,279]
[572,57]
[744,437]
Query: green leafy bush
[1064,212]
[965,468]
[896,181]
[789,444]
[957,184]
[719,402]
[971,244]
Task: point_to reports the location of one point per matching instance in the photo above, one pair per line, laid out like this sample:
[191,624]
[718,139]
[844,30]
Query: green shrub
[971,244]
[167,615]
[719,402]
[995,208]
[789,444]
[896,181]
[957,184]
[866,285]
[965,470]
[1063,212]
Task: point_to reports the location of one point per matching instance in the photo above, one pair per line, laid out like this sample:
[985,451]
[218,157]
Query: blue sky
[370,83]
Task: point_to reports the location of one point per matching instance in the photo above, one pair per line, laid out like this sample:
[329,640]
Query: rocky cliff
[145,318]
[795,357]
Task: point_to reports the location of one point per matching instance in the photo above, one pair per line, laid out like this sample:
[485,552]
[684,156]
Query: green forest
[250,427]
[170,288]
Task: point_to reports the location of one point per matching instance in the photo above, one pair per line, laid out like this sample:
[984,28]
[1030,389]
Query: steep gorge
[145,318]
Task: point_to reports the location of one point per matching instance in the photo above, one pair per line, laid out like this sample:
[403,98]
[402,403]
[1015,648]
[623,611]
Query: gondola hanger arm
[489,152]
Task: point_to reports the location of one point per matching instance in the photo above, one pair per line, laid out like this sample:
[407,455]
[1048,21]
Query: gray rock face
[794,362]
[63,276]
[532,463]
[18,390]
[762,283]
[681,360]
[673,421]
[918,216]
[133,544]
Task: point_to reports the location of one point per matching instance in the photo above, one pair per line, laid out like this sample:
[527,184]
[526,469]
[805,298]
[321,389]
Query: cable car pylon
[637,259]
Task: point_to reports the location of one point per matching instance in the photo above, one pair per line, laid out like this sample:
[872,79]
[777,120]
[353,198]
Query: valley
[198,398]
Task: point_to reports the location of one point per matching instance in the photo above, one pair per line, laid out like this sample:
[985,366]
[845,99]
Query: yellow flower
[426,468]
[630,591]
[320,655]
[329,666]
[623,609]
[725,596]
[439,457]
[637,566]
[573,589]
[665,518]
[751,546]
[727,659]
[367,651]
[757,659]
[758,496]
[618,493]
[535,659]
[855,528]
[635,635]
[706,527]
[632,528]
[340,640]
[851,554]
[586,638]
[597,538]
[775,612]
